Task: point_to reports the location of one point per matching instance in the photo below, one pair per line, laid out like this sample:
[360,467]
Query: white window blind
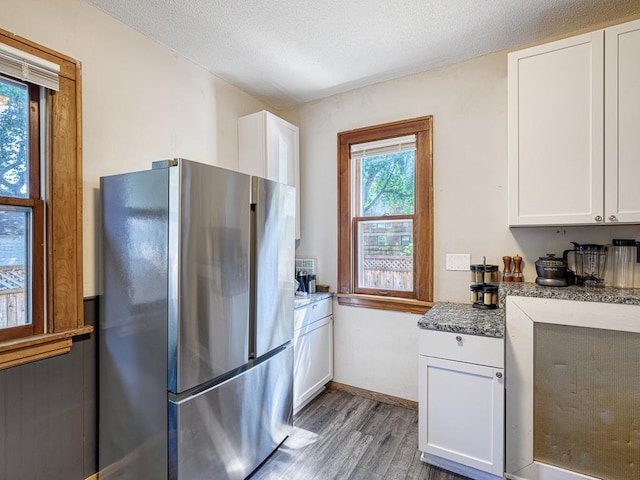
[18,64]
[383,147]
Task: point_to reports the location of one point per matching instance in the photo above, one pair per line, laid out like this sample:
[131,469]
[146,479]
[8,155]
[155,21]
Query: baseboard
[454,467]
[379,397]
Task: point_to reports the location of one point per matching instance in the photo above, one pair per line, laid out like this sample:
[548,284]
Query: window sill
[384,303]
[38,347]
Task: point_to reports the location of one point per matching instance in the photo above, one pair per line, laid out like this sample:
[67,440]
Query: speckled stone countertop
[628,296]
[299,302]
[463,318]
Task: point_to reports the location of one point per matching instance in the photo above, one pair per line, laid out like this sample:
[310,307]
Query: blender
[589,263]
[623,256]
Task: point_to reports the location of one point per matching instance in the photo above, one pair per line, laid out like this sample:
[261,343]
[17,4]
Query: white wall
[141,102]
[374,349]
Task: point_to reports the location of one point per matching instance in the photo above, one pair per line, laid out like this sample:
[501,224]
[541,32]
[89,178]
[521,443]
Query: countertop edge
[300,302]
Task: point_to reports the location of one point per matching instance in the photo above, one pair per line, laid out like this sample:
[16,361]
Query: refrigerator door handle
[253,200]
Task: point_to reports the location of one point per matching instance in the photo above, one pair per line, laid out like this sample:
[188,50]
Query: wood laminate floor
[343,436]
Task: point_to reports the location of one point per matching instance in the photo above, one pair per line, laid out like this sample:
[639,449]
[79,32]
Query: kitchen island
[462,352]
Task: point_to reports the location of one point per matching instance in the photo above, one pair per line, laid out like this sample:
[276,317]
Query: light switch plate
[458,261]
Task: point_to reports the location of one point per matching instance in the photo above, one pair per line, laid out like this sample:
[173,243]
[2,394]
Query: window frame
[422,299]
[62,305]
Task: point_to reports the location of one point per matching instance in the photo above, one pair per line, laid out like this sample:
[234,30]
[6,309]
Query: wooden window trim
[63,304]
[423,217]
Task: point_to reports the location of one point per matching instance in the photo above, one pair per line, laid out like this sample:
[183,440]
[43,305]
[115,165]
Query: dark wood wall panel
[48,414]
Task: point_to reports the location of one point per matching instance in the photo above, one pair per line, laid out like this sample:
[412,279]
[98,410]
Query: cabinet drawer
[311,313]
[463,347]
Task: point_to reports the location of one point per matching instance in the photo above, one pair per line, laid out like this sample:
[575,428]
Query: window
[40,202]
[385,235]
[21,211]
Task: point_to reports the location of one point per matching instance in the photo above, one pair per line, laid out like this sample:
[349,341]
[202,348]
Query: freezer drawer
[227,431]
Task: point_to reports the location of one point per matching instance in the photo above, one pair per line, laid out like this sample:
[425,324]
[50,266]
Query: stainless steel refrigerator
[195,359]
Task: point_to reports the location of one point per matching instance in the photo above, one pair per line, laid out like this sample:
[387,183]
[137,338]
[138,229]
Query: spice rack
[484,286]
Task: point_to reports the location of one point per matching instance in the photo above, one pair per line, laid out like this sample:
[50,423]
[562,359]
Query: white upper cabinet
[268,147]
[622,123]
[555,132]
[566,99]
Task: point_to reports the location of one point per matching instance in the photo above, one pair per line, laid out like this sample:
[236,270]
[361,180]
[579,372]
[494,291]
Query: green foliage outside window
[13,139]
[388,184]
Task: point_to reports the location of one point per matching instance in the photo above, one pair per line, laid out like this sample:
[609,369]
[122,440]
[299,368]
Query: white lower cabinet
[461,403]
[313,352]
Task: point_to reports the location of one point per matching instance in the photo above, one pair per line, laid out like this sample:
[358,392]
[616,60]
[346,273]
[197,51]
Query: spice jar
[487,297]
[477,273]
[490,273]
[477,294]
[473,269]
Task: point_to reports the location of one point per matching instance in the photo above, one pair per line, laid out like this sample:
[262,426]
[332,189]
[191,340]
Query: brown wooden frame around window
[62,258]
[422,297]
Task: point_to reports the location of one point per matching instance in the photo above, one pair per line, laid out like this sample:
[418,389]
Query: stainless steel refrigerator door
[209,238]
[274,264]
[133,327]
[225,432]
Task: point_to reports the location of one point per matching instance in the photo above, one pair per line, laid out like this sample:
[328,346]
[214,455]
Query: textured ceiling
[288,52]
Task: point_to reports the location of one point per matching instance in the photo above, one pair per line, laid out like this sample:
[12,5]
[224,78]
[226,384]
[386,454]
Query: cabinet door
[282,150]
[283,153]
[556,132]
[461,414]
[313,361]
[268,147]
[622,110]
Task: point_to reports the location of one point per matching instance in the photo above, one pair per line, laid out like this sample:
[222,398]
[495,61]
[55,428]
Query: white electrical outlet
[458,261]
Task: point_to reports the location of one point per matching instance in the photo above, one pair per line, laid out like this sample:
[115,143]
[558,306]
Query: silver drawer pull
[499,374]
[458,338]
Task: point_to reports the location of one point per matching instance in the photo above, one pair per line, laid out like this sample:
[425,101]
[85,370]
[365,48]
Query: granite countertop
[299,302]
[463,318]
[627,296]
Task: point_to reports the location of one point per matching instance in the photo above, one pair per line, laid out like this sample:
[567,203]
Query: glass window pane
[14,256]
[14,139]
[385,182]
[385,255]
